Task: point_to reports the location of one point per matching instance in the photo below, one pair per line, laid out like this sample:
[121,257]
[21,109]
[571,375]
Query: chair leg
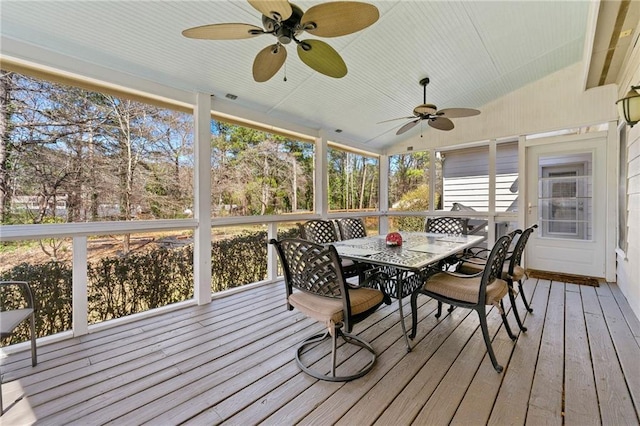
[334,339]
[507,327]
[439,313]
[34,354]
[451,308]
[524,298]
[512,298]
[482,313]
[414,314]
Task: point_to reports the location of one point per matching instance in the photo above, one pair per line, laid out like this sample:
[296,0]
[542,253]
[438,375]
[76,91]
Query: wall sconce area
[629,106]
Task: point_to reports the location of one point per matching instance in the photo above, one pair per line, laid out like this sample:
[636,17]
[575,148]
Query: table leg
[399,289]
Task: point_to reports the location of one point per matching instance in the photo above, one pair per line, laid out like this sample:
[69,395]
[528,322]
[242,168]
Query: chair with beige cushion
[474,291]
[447,225]
[11,317]
[512,270]
[316,286]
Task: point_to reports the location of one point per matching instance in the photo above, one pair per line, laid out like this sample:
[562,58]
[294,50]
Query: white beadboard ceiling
[473,51]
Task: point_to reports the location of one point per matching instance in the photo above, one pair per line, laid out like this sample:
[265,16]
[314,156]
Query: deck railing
[169,234]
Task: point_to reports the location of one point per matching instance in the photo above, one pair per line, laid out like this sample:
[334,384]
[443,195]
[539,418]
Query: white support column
[202,199]
[523,177]
[80,295]
[611,233]
[491,222]
[272,256]
[383,194]
[432,180]
[321,177]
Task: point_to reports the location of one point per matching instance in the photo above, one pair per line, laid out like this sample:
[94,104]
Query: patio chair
[316,286]
[474,291]
[319,231]
[512,270]
[447,225]
[324,232]
[351,227]
[12,317]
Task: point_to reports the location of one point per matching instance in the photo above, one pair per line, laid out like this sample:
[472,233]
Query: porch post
[491,220]
[432,181]
[272,256]
[611,234]
[202,199]
[523,183]
[383,196]
[79,293]
[321,177]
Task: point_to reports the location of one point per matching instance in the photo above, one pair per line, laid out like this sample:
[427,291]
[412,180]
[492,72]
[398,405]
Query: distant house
[466,178]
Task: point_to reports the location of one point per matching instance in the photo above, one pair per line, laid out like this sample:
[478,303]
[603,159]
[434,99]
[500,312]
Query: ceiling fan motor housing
[424,109]
[285,31]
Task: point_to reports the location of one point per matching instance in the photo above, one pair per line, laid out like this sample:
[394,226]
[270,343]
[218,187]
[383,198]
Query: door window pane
[565,196]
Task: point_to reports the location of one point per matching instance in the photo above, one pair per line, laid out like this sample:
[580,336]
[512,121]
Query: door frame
[609,197]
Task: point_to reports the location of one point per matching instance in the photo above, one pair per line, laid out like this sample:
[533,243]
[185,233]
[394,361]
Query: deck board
[512,400]
[615,406]
[581,400]
[232,362]
[545,400]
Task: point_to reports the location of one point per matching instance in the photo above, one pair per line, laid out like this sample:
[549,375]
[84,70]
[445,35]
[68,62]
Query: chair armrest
[474,261]
[477,251]
[460,275]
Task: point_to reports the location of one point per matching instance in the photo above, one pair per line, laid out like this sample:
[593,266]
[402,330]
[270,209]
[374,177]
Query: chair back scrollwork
[351,227]
[319,231]
[447,225]
[516,256]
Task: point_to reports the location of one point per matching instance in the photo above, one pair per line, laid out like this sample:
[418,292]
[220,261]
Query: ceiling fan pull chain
[285,71]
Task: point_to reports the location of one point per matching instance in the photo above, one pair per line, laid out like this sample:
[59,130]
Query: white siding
[628,267]
[466,177]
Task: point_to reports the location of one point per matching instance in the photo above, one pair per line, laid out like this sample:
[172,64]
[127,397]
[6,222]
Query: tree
[254,172]
[7,86]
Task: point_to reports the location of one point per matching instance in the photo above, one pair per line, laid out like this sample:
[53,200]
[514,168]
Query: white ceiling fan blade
[394,119]
[407,126]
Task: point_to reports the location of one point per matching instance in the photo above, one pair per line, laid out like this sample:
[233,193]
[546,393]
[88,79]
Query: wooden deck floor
[232,362]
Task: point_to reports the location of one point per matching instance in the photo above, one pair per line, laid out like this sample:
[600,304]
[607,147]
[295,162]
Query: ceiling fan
[438,119]
[286,22]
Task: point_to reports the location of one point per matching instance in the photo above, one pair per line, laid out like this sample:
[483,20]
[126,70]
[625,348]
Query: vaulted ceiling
[473,52]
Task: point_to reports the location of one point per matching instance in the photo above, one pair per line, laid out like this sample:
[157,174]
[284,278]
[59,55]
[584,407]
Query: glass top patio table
[407,265]
[418,250]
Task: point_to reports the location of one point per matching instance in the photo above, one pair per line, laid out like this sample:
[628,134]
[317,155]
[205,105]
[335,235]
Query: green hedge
[125,285]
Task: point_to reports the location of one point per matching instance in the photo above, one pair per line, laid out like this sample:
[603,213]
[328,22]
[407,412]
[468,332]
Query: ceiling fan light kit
[287,22]
[438,119]
[629,106]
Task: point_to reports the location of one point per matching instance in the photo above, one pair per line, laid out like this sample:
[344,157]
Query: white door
[566,197]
